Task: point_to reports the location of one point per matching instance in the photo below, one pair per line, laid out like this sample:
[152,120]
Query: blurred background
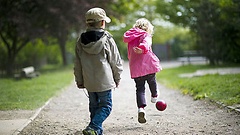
[44,32]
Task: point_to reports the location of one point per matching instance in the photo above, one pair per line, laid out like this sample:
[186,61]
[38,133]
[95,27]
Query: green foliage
[31,54]
[221,88]
[125,11]
[25,21]
[2,56]
[33,93]
[215,22]
[163,31]
[38,53]
[125,6]
[165,34]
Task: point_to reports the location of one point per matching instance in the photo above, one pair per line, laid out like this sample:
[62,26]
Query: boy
[97,68]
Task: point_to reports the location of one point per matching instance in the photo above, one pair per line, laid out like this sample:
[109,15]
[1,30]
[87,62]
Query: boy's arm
[78,69]
[114,60]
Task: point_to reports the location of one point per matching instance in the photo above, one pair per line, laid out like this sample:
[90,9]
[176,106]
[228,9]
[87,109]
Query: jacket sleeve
[78,67]
[145,44]
[114,59]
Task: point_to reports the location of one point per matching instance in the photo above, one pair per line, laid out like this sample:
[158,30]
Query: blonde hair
[144,24]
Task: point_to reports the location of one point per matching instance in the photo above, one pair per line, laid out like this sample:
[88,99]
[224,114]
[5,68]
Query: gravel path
[68,114]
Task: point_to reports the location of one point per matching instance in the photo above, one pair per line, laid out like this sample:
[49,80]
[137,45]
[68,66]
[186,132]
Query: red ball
[161,105]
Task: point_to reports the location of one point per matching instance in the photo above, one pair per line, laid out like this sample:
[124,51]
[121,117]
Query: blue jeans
[140,85]
[100,106]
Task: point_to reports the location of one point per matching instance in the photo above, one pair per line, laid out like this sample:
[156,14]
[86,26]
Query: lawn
[220,88]
[33,93]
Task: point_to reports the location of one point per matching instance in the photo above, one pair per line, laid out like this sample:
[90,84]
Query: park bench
[189,60]
[191,56]
[27,72]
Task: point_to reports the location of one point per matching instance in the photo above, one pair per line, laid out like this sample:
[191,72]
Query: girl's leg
[151,80]
[140,92]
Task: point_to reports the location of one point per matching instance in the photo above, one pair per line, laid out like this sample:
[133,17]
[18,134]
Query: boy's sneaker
[141,115]
[89,131]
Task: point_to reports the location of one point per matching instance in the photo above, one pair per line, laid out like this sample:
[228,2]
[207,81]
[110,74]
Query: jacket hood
[93,41]
[132,34]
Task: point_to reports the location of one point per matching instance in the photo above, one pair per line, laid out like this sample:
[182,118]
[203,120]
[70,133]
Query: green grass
[221,88]
[33,93]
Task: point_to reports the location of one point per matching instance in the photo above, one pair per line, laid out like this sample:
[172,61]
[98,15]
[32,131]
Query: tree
[229,22]
[212,20]
[26,20]
[207,17]
[64,17]
[19,25]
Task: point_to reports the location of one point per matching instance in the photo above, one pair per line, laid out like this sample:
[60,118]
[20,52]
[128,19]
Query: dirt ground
[67,114]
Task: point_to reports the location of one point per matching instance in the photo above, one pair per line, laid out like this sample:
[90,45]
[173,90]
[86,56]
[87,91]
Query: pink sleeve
[146,43]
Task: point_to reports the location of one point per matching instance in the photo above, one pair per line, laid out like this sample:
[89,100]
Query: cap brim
[107,19]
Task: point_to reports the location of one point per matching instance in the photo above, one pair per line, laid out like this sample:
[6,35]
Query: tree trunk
[62,44]
[12,52]
[10,66]
[62,37]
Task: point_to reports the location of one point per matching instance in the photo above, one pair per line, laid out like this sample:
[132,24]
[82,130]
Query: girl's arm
[145,45]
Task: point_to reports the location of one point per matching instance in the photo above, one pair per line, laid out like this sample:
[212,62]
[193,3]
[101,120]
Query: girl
[143,62]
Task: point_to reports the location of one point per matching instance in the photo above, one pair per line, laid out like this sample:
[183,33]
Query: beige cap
[95,15]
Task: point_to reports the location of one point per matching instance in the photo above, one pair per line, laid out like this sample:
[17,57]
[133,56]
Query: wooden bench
[27,72]
[189,60]
[192,56]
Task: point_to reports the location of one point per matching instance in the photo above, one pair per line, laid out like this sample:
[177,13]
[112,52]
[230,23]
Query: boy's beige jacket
[98,65]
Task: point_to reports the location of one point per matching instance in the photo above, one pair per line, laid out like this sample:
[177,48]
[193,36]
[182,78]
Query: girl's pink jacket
[145,63]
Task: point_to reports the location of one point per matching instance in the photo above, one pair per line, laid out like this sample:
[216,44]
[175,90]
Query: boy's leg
[93,103]
[140,92]
[103,111]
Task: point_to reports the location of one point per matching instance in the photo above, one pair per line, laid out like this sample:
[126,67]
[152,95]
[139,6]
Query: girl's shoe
[141,115]
[154,99]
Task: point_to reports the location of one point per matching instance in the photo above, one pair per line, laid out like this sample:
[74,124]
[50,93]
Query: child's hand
[117,84]
[137,50]
[80,86]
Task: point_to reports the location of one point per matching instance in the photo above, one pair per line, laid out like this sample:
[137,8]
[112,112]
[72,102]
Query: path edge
[17,131]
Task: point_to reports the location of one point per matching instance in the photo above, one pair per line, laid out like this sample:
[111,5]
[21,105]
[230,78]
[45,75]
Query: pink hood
[145,63]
